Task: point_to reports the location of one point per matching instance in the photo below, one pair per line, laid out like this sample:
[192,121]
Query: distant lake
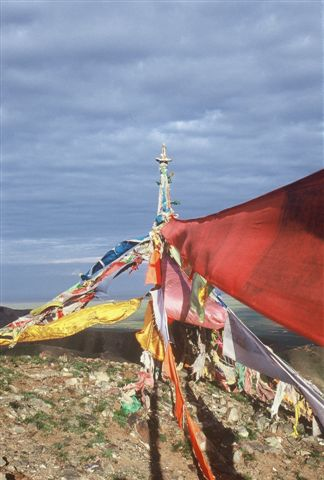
[268,331]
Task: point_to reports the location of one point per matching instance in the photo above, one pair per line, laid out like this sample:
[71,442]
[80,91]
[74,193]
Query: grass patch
[182,446]
[28,395]
[124,382]
[240,397]
[84,422]
[59,450]
[7,375]
[6,372]
[42,421]
[34,359]
[99,438]
[163,437]
[248,457]
[107,453]
[80,424]
[212,387]
[252,433]
[112,371]
[101,406]
[299,476]
[120,417]
[315,454]
[80,368]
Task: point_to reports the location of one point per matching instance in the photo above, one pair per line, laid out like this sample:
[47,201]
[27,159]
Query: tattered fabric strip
[169,368]
[200,290]
[73,299]
[113,255]
[241,345]
[181,413]
[194,430]
[160,315]
[170,371]
[280,392]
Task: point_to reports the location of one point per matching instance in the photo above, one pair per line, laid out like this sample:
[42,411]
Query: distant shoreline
[268,331]
[307,358]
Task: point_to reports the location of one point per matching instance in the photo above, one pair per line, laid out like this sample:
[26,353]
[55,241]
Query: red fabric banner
[267,253]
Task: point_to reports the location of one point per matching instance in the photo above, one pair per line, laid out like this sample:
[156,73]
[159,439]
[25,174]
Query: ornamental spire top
[163,157]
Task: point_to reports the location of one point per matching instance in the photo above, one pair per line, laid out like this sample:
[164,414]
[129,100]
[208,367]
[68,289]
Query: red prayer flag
[267,253]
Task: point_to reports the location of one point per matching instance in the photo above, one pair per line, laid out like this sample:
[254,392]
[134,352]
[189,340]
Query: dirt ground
[61,418]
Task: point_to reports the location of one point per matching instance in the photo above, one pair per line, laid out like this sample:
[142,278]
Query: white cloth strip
[161,318]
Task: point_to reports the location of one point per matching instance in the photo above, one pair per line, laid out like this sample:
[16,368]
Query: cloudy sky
[90,91]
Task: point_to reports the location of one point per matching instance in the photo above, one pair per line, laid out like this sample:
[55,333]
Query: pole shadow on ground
[219,439]
[153,427]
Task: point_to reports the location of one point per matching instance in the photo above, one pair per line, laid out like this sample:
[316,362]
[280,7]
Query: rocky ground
[61,418]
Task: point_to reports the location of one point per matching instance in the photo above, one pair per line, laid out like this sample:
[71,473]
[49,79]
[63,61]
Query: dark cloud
[92,89]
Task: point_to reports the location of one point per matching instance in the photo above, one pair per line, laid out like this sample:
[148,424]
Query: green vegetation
[163,437]
[252,433]
[248,457]
[184,447]
[240,397]
[111,370]
[28,395]
[6,372]
[101,406]
[7,376]
[98,438]
[87,458]
[300,477]
[124,382]
[120,417]
[107,453]
[315,454]
[79,368]
[42,421]
[80,424]
[59,449]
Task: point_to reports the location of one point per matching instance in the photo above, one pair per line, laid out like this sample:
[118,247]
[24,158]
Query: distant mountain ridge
[307,359]
[8,315]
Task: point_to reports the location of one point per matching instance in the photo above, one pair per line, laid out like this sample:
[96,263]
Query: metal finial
[163,157]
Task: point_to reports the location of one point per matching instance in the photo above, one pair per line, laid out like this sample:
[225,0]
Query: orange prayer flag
[194,432]
[180,411]
[153,274]
[171,372]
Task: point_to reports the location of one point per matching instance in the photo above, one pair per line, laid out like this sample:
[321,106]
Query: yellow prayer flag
[104,314]
[149,338]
